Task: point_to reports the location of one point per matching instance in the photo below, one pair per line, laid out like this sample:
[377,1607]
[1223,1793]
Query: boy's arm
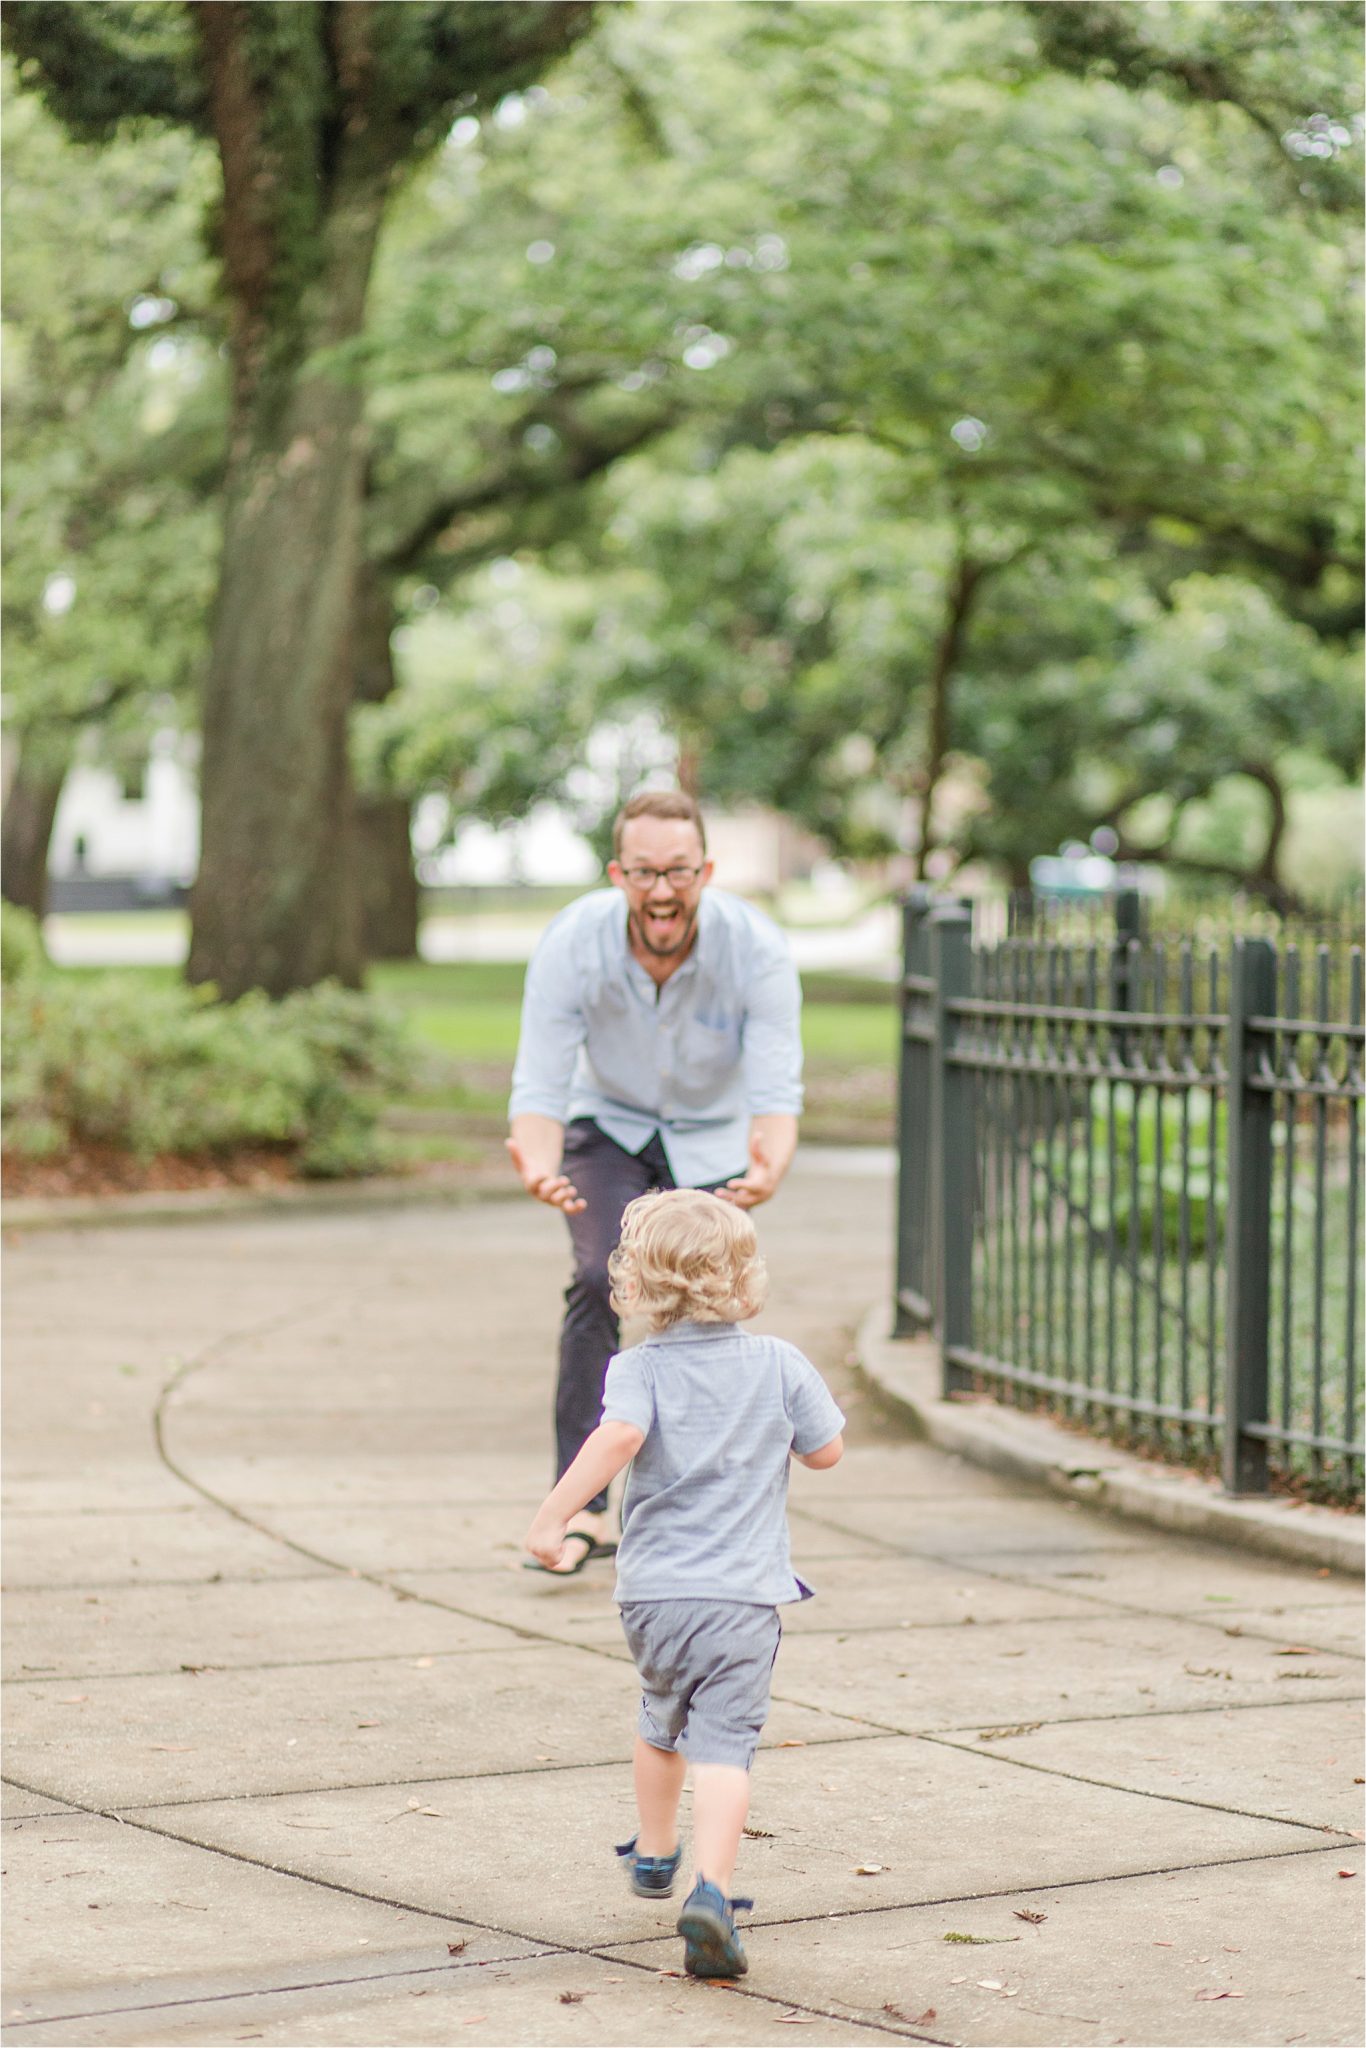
[821,1460]
[608,1451]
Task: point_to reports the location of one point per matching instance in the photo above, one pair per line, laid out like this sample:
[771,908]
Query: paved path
[297,1753]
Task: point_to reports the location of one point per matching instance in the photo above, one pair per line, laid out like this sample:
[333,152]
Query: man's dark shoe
[652,1877]
[711,1947]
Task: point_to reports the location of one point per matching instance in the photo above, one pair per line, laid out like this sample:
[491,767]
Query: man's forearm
[778,1136]
[540,1140]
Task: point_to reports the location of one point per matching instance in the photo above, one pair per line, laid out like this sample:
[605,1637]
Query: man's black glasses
[645,878]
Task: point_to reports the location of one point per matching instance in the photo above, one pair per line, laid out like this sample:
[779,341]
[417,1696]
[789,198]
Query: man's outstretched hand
[758,1183]
[552,1187]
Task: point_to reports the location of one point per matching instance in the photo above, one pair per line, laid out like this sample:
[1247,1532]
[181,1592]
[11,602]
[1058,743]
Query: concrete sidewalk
[298,1753]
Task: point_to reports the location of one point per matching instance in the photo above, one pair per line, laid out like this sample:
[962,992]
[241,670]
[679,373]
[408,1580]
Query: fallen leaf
[990,1984]
[571,1998]
[1164,1944]
[369,1724]
[179,1748]
[789,1744]
[958,1980]
[760,1834]
[1034,1919]
[456,1948]
[798,2019]
[78,1699]
[324,1825]
[1004,1734]
[1208,1997]
[545,1759]
[920,2019]
[1295,1650]
[869,1869]
[1346,1873]
[474,2019]
[1205,1671]
[431,1812]
[984,1940]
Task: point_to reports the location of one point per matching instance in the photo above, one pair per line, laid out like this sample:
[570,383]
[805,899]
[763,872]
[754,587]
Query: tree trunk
[26,828]
[383,865]
[967,576]
[389,893]
[275,905]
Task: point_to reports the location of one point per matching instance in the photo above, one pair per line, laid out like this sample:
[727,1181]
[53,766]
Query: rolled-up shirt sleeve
[552,1030]
[627,1395]
[772,1043]
[816,1418]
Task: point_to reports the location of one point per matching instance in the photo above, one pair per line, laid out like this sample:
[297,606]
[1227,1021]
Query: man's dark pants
[607,1177]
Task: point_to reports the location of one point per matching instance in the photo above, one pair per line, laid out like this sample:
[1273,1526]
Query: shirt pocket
[708,1053]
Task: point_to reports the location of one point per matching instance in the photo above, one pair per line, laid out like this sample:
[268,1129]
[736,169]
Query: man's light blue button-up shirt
[694,1058]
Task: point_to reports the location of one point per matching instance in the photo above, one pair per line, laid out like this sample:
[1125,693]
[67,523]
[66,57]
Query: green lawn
[471,1011]
[463,1017]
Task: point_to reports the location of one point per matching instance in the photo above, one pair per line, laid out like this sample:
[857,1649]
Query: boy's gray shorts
[705,1668]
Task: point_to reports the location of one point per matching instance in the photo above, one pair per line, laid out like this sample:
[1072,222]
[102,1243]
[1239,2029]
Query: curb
[906,1371]
[196,1205]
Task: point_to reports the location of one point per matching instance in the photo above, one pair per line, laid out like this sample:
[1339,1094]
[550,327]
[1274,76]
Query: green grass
[471,1011]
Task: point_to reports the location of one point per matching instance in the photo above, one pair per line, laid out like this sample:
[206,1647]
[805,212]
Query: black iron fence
[1130,1187]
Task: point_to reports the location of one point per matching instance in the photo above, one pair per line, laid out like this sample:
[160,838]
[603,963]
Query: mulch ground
[104,1170]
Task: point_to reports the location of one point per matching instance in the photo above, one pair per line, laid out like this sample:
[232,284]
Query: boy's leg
[720,1805]
[608,1177]
[659,1777]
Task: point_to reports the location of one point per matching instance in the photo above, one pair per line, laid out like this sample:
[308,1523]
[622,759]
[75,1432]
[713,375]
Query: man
[660,1047]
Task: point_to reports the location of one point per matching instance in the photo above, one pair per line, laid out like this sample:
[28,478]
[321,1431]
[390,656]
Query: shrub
[111,1060]
[21,945]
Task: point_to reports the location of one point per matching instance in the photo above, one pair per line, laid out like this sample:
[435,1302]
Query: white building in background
[541,848]
[146,829]
[146,832]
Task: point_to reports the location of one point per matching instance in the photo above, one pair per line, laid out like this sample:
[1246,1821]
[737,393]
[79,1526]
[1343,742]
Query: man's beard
[678,942]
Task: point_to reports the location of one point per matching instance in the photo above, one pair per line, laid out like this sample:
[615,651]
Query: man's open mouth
[663,923]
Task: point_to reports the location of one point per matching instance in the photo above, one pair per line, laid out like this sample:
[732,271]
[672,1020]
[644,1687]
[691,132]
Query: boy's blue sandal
[711,1947]
[652,1877]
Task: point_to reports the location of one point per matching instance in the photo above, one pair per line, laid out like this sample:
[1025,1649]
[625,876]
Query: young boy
[710,1415]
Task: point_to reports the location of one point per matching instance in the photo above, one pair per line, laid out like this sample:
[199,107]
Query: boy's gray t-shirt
[705,1513]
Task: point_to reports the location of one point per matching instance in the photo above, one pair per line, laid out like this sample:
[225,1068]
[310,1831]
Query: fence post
[1251,1116]
[912,1310]
[955,1143]
[1128,915]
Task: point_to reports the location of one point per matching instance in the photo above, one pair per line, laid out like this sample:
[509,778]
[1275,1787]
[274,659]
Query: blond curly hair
[687,1256]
